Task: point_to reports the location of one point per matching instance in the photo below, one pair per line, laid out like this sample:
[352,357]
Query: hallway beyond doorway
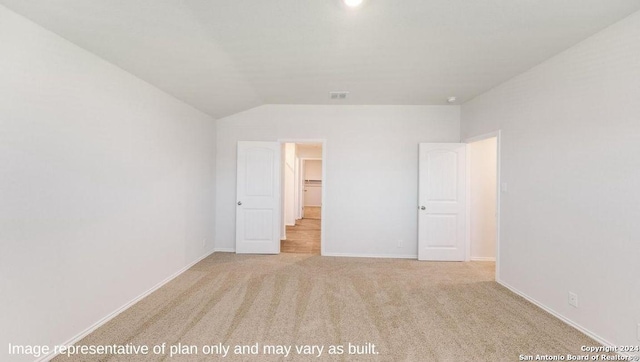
[304,237]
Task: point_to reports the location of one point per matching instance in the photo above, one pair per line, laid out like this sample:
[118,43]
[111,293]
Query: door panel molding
[258,198]
[442,198]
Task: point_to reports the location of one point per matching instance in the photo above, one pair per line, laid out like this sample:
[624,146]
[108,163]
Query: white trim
[225,250]
[483,258]
[384,256]
[482,137]
[301,140]
[467,236]
[573,324]
[121,309]
[298,188]
[283,181]
[324,198]
[498,198]
[498,135]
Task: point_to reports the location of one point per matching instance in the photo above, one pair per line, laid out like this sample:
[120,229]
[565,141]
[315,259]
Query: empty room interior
[419,180]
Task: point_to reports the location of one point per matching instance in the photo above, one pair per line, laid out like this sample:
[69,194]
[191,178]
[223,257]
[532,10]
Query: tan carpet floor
[410,310]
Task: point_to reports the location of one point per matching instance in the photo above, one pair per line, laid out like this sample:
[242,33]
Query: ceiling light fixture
[451,99]
[352,3]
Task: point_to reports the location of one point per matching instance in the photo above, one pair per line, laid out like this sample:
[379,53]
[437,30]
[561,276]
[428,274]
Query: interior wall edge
[377,256]
[483,258]
[124,307]
[225,250]
[561,317]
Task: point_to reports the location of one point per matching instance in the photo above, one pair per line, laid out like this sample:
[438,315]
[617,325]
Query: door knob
[239,202]
[422,208]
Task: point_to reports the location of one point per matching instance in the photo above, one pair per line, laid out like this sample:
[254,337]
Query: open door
[442,202]
[258,198]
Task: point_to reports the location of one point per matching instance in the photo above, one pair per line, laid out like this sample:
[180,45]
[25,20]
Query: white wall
[313,170]
[482,168]
[309,151]
[571,160]
[106,186]
[371,168]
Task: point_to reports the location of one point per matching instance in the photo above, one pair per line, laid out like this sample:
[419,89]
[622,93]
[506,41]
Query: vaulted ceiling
[223,57]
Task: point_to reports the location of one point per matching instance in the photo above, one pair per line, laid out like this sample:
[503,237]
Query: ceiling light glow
[352,3]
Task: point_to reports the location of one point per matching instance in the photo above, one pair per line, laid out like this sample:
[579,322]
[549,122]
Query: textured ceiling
[223,57]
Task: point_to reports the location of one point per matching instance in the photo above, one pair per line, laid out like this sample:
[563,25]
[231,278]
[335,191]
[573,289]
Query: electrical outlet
[204,242]
[400,243]
[573,299]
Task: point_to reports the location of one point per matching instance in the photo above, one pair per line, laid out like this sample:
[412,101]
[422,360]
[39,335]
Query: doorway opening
[484,199]
[302,197]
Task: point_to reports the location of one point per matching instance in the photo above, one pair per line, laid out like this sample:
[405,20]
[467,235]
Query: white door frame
[497,135]
[324,183]
[299,184]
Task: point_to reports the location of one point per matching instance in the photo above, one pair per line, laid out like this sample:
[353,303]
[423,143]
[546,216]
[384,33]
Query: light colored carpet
[410,310]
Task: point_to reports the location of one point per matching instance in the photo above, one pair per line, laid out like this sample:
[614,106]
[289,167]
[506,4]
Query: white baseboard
[564,319]
[483,258]
[127,305]
[225,250]
[347,255]
[385,256]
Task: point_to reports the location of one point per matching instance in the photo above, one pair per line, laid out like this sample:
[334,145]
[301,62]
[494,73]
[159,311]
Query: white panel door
[313,195]
[442,201]
[258,198]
